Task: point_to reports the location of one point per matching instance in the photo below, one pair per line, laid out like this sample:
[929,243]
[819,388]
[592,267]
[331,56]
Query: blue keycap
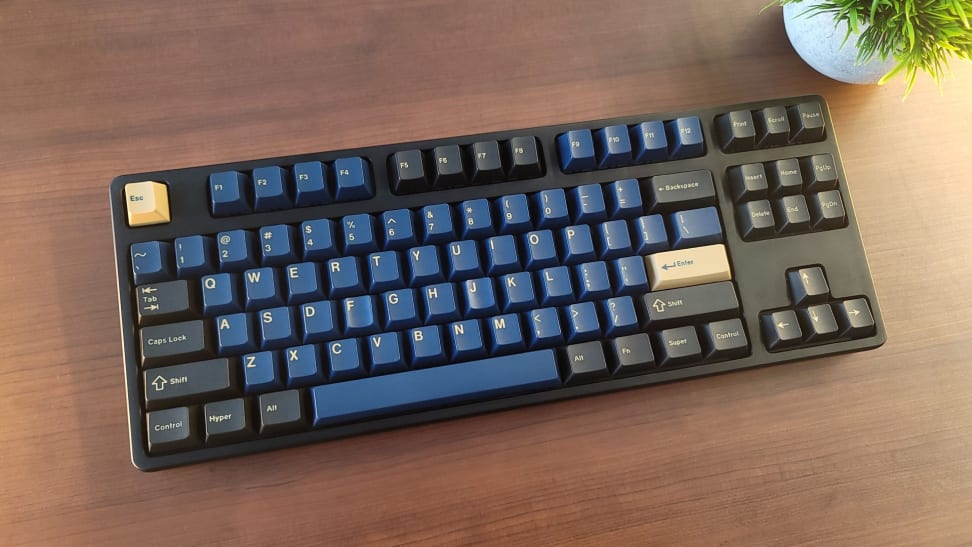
[344,360]
[587,204]
[505,335]
[440,303]
[463,261]
[476,220]
[277,245]
[577,244]
[555,286]
[501,255]
[303,283]
[234,334]
[151,261]
[544,328]
[620,317]
[235,250]
[629,275]
[516,292]
[385,272]
[593,282]
[261,288]
[220,294]
[466,340]
[303,366]
[417,390]
[270,189]
[649,142]
[228,194]
[398,229]
[319,242]
[426,346]
[685,136]
[582,323]
[649,235]
[352,179]
[319,321]
[695,227]
[437,224]
[514,214]
[344,276]
[310,179]
[551,208]
[359,234]
[613,240]
[624,199]
[194,256]
[400,309]
[260,372]
[386,353]
[540,249]
[576,150]
[277,328]
[479,298]
[424,266]
[613,146]
[360,315]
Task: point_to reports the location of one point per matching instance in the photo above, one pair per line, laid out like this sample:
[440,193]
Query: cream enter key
[685,267]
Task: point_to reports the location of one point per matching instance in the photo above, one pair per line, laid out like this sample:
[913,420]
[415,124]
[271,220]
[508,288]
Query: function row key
[305,184]
[413,171]
[620,145]
[743,130]
[782,177]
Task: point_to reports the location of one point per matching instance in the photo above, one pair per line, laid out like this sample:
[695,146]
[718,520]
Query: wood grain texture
[872,448]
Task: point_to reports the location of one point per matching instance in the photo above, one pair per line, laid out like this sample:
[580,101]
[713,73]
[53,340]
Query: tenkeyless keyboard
[277,302]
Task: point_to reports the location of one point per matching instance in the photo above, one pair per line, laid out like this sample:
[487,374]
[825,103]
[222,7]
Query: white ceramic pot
[818,42]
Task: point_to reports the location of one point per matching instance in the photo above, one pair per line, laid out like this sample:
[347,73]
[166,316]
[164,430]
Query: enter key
[687,267]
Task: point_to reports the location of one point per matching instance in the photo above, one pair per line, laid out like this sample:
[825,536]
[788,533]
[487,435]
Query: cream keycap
[147,203]
[686,267]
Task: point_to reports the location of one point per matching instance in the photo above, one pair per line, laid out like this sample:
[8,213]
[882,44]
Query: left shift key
[174,343]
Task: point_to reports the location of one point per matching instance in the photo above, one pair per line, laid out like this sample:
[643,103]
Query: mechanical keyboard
[277,302]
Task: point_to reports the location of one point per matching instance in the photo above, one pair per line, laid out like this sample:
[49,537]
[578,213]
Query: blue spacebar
[427,388]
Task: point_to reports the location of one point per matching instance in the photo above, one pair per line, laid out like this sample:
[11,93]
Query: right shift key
[701,302]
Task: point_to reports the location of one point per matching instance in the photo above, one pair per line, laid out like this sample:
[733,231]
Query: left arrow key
[189,383]
[164,302]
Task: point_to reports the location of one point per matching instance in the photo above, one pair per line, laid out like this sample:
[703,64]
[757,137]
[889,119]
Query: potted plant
[871,41]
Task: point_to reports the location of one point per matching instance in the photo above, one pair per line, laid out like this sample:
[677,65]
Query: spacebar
[428,388]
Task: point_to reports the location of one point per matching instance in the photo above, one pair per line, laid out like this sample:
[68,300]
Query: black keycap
[407,172]
[818,323]
[827,211]
[631,354]
[772,127]
[748,182]
[227,421]
[808,286]
[781,330]
[725,340]
[164,302]
[678,347]
[280,412]
[680,191]
[755,220]
[189,383]
[855,318]
[674,306]
[736,131]
[170,430]
[174,342]
[792,215]
[819,172]
[448,166]
[785,177]
[486,162]
[806,122]
[523,158]
[584,363]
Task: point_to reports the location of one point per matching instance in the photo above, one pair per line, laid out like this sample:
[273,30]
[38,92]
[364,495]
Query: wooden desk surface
[869,448]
